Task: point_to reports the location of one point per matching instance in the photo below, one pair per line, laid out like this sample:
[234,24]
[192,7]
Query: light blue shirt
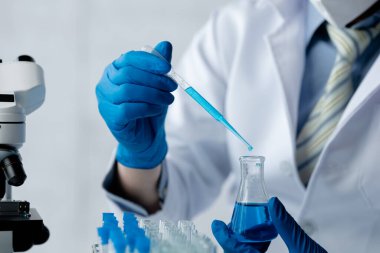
[320,58]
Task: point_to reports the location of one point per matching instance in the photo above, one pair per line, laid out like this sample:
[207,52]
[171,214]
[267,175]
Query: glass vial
[250,220]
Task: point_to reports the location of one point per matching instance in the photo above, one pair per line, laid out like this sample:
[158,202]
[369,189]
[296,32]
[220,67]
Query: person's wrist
[148,159]
[140,186]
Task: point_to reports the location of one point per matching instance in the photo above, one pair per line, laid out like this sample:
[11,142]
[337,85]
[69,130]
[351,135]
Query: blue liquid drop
[251,223]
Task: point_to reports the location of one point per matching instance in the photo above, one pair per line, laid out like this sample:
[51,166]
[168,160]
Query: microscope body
[22,91]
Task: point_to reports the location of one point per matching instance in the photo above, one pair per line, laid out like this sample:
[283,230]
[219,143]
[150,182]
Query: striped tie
[337,93]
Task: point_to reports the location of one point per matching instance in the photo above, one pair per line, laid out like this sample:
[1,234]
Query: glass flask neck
[252,185]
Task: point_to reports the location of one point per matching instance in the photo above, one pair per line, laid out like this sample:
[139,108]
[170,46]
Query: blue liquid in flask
[251,223]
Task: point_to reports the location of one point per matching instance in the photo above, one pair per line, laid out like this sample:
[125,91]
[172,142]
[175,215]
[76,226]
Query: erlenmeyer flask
[250,220]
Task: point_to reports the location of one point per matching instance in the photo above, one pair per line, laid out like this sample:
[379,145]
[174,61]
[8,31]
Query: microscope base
[25,231]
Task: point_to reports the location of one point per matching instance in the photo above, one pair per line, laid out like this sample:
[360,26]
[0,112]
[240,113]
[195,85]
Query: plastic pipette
[198,98]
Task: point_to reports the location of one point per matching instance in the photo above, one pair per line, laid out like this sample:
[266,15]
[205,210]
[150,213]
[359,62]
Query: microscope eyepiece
[13,170]
[25,58]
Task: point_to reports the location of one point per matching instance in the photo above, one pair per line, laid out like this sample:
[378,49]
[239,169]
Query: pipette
[198,98]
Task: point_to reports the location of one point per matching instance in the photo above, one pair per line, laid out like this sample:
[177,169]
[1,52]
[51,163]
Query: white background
[68,145]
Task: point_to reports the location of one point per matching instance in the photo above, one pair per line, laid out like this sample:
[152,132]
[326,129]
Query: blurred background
[68,146]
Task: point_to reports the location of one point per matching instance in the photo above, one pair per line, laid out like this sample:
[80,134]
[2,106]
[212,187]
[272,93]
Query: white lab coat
[248,61]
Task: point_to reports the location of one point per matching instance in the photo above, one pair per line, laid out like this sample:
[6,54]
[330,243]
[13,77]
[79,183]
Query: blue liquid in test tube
[199,99]
[215,114]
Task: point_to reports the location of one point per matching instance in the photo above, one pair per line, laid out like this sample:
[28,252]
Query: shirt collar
[313,21]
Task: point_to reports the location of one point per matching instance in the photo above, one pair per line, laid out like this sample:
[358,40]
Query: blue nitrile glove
[133,97]
[294,237]
[230,244]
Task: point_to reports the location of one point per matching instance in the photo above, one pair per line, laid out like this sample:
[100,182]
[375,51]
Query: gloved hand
[133,97]
[294,237]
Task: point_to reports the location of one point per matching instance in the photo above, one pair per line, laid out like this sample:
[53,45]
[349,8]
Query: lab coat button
[308,227]
[287,168]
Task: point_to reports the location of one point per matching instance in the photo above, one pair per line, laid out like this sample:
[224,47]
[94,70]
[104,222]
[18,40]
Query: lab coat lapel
[369,85]
[288,46]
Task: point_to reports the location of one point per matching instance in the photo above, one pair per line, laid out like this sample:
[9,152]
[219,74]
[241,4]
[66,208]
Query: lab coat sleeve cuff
[163,183]
[174,207]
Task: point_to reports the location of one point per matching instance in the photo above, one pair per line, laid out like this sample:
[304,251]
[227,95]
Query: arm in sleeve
[197,162]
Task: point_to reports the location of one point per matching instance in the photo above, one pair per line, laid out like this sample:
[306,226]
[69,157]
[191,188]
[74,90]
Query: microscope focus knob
[13,170]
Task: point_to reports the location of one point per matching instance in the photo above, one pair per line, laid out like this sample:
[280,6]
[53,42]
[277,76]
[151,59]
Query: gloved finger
[130,74]
[118,116]
[143,60]
[229,242]
[133,93]
[165,48]
[292,234]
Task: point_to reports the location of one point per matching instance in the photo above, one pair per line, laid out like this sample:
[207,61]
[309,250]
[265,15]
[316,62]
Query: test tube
[149,236]
[104,234]
[186,227]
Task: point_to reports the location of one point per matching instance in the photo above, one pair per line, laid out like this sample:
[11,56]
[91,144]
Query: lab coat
[248,61]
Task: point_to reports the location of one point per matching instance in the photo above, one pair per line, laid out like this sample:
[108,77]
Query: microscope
[22,91]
